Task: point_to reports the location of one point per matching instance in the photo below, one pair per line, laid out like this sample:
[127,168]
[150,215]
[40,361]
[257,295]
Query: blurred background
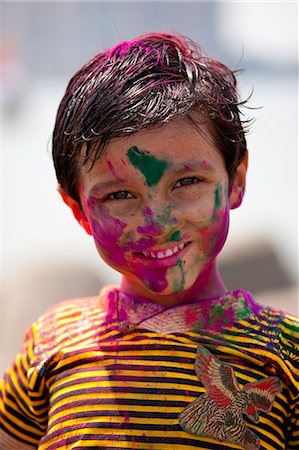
[46,257]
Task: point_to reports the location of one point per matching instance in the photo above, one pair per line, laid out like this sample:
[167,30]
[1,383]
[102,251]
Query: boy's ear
[238,187]
[77,211]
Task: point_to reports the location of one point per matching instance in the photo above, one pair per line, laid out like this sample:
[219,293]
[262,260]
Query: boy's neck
[208,285]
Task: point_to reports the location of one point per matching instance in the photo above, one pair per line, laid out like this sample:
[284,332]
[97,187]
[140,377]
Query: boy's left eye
[187,181]
[119,195]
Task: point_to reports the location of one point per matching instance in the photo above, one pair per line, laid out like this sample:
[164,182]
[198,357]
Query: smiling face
[157,204]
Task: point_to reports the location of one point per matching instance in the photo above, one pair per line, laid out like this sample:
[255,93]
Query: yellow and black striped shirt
[177,380]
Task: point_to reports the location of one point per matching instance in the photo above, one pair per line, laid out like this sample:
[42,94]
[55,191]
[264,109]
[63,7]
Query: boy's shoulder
[73,309]
[68,321]
[281,330]
[278,317]
[276,322]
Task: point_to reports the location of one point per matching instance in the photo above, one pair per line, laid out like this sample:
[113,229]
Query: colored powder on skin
[148,165]
[210,238]
[141,244]
[180,264]
[107,231]
[153,279]
[106,236]
[179,285]
[111,168]
[213,239]
[150,227]
[153,225]
[165,217]
[217,196]
[176,236]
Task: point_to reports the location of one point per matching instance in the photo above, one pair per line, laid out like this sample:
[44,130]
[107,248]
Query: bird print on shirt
[218,413]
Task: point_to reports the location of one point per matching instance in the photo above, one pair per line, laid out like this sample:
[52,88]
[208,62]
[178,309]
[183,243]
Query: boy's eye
[187,181]
[119,195]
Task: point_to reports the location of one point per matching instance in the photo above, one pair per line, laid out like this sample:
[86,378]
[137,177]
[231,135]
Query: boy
[150,155]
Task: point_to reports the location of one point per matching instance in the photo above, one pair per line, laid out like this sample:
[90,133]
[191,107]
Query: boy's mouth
[162,258]
[160,254]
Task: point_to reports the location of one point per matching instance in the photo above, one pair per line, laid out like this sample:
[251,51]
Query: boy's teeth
[164,254]
[168,252]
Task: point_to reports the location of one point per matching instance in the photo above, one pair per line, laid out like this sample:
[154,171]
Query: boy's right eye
[119,195]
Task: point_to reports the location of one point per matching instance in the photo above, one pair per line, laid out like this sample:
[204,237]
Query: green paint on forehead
[148,165]
[176,236]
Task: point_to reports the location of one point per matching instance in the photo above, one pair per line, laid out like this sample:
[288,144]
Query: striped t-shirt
[221,373]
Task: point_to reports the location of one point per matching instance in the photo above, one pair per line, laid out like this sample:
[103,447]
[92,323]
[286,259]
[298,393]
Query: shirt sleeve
[23,410]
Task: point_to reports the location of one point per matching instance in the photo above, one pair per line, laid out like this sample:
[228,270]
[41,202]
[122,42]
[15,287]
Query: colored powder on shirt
[148,165]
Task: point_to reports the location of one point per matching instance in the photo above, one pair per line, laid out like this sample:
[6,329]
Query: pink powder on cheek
[214,237]
[106,231]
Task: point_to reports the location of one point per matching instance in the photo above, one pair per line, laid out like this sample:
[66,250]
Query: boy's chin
[170,292]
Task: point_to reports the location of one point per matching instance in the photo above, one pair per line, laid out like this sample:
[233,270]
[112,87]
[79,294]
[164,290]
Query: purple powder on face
[106,239]
[106,231]
[141,244]
[150,226]
[153,279]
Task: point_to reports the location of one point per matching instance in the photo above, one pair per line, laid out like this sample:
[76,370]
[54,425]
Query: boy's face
[157,204]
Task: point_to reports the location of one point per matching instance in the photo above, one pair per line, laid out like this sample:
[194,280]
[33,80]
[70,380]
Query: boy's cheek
[213,237]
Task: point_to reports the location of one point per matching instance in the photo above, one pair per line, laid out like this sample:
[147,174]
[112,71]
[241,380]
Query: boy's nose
[158,222]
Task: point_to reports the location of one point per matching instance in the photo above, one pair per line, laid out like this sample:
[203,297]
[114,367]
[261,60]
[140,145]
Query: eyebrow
[203,165]
[100,186]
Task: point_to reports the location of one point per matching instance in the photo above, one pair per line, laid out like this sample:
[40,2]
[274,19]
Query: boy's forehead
[178,145]
[172,140]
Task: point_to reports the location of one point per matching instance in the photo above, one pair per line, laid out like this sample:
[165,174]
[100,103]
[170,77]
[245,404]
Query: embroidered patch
[218,413]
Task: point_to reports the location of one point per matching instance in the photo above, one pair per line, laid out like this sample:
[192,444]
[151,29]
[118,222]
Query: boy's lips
[162,258]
